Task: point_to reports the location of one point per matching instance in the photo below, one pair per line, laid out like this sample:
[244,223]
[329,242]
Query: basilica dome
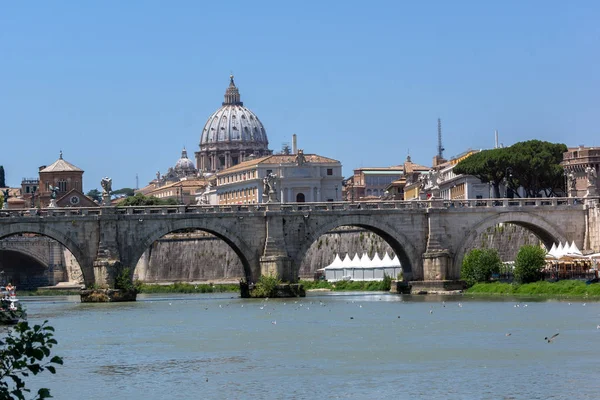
[184,164]
[231,134]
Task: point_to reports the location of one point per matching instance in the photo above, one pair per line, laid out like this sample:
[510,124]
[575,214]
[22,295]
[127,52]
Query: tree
[529,263]
[95,195]
[2,177]
[23,352]
[141,200]
[534,165]
[487,166]
[479,265]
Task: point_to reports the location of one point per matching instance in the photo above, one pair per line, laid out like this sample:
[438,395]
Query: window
[269,171]
[329,171]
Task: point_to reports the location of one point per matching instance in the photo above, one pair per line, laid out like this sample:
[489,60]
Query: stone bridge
[429,237]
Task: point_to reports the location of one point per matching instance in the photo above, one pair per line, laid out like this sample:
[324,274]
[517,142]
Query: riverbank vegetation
[178,287]
[564,288]
[346,286]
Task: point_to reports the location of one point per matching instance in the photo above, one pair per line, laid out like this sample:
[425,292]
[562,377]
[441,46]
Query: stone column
[275,259]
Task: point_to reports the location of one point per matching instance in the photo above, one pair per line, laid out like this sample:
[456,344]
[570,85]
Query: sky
[122,87]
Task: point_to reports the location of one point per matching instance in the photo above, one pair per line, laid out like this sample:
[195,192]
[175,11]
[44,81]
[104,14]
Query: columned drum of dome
[231,135]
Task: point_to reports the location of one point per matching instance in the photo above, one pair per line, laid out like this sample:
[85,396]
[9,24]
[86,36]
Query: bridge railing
[295,207]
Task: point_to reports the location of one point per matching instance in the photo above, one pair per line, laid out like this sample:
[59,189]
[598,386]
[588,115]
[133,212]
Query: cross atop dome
[232,94]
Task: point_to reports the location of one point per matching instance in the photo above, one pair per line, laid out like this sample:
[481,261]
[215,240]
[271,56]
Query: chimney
[41,167]
[294,144]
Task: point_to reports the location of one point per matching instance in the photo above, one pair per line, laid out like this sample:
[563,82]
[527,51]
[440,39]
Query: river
[324,346]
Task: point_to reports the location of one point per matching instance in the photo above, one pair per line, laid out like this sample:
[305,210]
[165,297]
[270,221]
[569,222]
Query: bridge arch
[248,257]
[546,231]
[55,234]
[401,245]
[34,256]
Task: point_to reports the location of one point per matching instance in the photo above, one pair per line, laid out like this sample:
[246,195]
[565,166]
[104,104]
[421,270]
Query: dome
[184,163]
[233,124]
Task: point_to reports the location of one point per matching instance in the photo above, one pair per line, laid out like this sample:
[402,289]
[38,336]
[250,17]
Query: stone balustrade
[296,207]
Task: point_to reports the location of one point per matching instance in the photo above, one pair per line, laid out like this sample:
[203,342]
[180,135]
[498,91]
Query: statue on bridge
[269,187]
[106,184]
[592,191]
[591,176]
[53,192]
[571,184]
[6,195]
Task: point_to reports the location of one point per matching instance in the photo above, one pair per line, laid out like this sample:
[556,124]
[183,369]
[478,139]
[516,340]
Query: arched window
[300,198]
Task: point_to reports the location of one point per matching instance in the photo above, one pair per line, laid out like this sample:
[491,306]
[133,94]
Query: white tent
[362,268]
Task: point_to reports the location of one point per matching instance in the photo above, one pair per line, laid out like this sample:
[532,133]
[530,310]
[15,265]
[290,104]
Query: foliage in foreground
[479,265]
[24,352]
[529,263]
[266,286]
[574,288]
[187,288]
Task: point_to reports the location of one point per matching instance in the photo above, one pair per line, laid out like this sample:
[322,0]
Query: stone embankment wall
[592,241]
[203,257]
[507,239]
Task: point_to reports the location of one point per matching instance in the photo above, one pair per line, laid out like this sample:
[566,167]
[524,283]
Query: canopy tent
[567,261]
[362,268]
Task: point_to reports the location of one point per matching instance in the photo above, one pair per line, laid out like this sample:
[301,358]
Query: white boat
[11,311]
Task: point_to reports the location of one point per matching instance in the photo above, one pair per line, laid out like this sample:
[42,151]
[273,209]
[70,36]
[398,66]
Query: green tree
[488,166]
[529,263]
[2,177]
[141,200]
[95,195]
[23,352]
[534,165]
[479,265]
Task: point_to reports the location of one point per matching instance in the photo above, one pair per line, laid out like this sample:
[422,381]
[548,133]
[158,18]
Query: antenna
[440,147]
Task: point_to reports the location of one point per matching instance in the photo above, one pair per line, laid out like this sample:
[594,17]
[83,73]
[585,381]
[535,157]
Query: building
[184,191]
[371,183]
[452,186]
[576,160]
[231,135]
[300,178]
[67,178]
[181,182]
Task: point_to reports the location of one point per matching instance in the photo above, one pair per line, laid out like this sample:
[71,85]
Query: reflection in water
[169,366]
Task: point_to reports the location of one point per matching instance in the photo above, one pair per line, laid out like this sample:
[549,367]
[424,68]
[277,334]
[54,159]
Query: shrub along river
[324,346]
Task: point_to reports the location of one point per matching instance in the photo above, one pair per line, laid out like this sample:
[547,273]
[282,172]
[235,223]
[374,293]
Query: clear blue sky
[122,86]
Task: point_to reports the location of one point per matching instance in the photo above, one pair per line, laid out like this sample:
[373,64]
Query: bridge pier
[275,260]
[439,271]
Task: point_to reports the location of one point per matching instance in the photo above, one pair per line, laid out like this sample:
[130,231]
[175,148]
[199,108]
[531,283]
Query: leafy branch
[24,352]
